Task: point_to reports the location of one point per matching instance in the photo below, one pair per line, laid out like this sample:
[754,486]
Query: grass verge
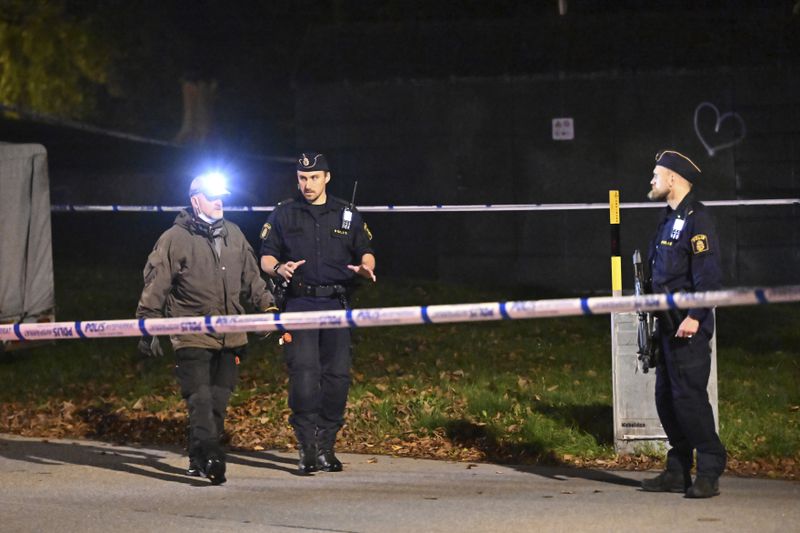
[517,391]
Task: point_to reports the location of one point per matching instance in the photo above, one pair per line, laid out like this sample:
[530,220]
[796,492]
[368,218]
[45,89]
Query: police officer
[198,267]
[684,256]
[317,244]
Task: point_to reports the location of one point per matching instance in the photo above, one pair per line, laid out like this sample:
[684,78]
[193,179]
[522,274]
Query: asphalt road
[92,486]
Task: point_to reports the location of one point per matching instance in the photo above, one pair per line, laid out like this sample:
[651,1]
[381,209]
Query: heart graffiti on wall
[710,139]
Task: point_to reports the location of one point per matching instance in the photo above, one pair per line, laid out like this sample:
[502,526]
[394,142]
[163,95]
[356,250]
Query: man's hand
[364,271]
[688,328]
[286,270]
[240,354]
[150,347]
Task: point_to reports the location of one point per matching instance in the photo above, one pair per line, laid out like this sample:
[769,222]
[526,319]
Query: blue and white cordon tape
[427,208]
[396,316]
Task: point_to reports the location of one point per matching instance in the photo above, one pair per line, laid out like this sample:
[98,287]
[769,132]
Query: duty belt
[318,291]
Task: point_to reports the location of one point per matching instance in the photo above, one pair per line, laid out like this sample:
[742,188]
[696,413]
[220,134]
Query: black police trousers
[207,379]
[683,406]
[318,361]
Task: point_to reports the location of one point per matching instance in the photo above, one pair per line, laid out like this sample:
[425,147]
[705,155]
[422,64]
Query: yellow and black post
[616,260]
[636,421]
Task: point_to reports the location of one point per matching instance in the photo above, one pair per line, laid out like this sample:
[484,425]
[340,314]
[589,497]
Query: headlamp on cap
[212,184]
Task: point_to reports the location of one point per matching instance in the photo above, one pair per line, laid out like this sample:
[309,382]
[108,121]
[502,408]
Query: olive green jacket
[186,276]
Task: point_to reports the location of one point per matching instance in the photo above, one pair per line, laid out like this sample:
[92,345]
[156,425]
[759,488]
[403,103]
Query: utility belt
[317,291]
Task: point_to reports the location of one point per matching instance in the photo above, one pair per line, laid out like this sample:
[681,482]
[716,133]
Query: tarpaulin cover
[26,258]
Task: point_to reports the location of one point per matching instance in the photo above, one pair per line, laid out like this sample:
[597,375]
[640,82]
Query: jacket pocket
[692,354]
[676,262]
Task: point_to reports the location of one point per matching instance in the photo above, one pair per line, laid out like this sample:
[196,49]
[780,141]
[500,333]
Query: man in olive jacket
[201,266]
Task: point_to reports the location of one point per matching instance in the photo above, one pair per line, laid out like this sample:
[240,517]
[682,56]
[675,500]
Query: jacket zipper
[220,272]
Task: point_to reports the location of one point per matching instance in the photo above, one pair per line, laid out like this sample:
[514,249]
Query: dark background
[448,103]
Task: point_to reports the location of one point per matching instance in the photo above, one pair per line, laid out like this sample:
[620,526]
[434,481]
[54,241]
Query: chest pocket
[299,243]
[674,259]
[339,245]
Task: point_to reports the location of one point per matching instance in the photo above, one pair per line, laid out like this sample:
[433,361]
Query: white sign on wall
[563,129]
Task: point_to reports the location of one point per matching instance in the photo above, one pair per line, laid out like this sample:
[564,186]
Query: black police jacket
[684,255]
[297,230]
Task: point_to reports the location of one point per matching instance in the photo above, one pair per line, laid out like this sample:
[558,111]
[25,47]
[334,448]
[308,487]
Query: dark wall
[468,141]
[88,167]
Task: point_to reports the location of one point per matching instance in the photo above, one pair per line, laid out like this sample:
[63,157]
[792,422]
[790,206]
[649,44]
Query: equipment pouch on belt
[279,288]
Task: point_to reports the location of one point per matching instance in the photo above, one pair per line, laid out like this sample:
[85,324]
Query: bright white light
[212,184]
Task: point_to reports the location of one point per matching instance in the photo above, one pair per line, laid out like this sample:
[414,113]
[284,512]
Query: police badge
[265,231]
[699,244]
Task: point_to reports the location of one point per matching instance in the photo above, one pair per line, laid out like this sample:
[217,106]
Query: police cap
[312,162]
[677,162]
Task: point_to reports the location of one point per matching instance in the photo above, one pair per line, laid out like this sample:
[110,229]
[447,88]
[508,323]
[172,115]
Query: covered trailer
[26,259]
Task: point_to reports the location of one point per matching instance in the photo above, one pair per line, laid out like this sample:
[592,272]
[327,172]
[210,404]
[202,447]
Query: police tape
[428,208]
[396,316]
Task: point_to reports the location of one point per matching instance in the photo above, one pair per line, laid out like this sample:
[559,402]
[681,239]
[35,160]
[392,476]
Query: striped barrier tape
[426,208]
[396,316]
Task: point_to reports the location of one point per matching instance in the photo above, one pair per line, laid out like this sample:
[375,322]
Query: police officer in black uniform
[684,256]
[318,244]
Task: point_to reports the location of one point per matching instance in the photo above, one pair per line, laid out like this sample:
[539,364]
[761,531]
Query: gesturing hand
[286,270]
[364,271]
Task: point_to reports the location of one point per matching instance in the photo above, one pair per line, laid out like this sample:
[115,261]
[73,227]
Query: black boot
[215,471]
[327,461]
[194,468]
[667,481]
[308,463]
[703,487]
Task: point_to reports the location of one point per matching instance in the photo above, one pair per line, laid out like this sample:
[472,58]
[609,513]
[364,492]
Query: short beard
[655,196]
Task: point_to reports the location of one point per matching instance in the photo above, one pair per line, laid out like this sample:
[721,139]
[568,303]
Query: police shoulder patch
[367,231]
[699,243]
[265,231]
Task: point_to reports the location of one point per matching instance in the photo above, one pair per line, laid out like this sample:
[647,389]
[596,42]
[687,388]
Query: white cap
[212,184]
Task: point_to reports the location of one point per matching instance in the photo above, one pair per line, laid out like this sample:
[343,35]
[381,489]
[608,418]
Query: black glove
[150,347]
